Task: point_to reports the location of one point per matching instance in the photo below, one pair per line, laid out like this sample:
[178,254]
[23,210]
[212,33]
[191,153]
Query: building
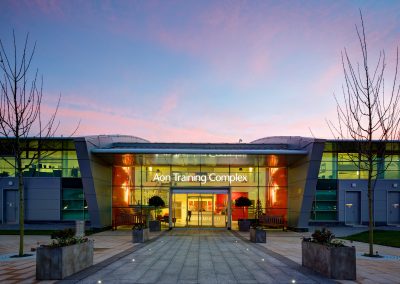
[106,179]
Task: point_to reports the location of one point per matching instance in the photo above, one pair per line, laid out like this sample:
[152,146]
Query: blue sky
[197,71]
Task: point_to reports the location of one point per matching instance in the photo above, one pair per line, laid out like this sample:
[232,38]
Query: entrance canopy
[126,154]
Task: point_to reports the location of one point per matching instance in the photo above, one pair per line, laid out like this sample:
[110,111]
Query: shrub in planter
[65,256]
[157,202]
[140,233]
[330,257]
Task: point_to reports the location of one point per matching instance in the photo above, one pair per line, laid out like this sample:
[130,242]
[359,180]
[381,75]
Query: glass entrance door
[199,210]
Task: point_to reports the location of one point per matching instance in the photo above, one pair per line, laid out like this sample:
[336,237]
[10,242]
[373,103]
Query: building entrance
[200,208]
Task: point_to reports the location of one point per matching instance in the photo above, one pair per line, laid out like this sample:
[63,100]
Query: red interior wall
[277,185]
[123,180]
[238,212]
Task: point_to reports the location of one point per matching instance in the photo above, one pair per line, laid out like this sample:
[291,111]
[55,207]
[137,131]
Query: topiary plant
[243,202]
[156,202]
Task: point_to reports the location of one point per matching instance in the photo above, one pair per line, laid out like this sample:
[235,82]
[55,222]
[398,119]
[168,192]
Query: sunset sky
[197,71]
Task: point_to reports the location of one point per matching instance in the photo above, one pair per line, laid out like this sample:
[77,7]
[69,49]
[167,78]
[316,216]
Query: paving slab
[193,256]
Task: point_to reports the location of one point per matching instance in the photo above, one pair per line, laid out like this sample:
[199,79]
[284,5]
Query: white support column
[170,209]
[229,210]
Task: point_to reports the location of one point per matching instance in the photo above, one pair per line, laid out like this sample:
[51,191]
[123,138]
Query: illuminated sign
[202,178]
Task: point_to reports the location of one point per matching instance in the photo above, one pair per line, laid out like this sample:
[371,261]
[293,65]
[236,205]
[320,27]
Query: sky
[196,71]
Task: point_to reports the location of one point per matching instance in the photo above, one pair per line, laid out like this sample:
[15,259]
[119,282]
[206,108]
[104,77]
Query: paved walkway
[106,244]
[193,256]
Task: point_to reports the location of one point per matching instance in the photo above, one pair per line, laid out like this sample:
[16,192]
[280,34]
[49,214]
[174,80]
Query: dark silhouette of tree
[21,114]
[243,202]
[157,202]
[368,116]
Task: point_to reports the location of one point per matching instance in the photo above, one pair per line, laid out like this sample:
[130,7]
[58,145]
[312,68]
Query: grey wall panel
[302,182]
[380,198]
[96,180]
[42,199]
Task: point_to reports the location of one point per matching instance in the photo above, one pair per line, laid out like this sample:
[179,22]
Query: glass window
[74,206]
[7,166]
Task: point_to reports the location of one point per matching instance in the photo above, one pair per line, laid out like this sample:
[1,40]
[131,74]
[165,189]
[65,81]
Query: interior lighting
[150,169]
[250,169]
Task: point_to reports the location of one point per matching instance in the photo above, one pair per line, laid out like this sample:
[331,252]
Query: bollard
[79,228]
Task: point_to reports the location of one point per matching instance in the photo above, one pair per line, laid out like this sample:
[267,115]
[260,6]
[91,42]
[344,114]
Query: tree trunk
[370,214]
[21,205]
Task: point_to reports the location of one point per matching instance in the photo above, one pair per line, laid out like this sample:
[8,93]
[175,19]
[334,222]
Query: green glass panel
[73,215]
[73,194]
[325,195]
[72,205]
[325,216]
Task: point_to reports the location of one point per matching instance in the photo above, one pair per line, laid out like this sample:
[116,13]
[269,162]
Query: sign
[202,178]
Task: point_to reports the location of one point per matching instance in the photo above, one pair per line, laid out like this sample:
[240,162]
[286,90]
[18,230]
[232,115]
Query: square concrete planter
[333,262]
[59,262]
[140,236]
[244,225]
[155,226]
[258,235]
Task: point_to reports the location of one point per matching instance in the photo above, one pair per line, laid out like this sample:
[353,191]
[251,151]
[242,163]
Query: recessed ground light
[293,281]
[99,281]
[133,259]
[247,249]
[262,259]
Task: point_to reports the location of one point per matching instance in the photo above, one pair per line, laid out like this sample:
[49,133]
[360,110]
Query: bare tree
[368,115]
[21,114]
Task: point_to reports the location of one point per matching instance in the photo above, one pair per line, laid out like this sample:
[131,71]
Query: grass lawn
[386,238]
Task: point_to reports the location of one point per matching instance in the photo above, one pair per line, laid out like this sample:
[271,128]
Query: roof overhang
[198,151]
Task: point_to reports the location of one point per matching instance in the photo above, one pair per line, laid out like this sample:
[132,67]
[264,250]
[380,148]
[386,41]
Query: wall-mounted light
[394,185]
[10,182]
[353,184]
[349,205]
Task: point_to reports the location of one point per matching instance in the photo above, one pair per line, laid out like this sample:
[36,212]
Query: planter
[59,262]
[333,262]
[244,225]
[140,236]
[258,235]
[155,226]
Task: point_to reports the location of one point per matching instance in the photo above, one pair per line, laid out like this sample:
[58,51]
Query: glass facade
[136,178]
[341,160]
[57,158]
